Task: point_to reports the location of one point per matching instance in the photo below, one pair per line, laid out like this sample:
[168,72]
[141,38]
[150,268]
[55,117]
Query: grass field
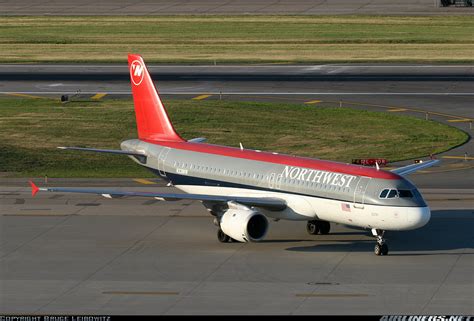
[32,129]
[209,39]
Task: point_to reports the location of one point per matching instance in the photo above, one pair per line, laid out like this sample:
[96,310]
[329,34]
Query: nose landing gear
[381,248]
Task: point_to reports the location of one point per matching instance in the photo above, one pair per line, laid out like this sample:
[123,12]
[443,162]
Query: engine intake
[244,224]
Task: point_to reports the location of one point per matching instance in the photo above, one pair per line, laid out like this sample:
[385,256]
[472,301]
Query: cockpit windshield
[393,193]
[405,193]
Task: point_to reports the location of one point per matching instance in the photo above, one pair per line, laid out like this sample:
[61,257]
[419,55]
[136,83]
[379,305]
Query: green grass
[205,39]
[32,129]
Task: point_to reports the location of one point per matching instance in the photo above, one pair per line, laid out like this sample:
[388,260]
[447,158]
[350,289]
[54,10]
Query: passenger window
[384,193]
[393,193]
[405,193]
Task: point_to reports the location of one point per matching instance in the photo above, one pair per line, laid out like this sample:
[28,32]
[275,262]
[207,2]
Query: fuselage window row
[282,182]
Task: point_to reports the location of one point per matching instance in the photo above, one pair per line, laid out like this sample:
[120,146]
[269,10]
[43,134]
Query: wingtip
[34,189]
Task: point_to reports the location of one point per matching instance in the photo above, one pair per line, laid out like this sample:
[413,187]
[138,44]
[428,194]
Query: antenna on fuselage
[241,147]
[377,165]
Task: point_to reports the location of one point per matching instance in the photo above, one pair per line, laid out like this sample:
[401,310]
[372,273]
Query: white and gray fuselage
[383,201]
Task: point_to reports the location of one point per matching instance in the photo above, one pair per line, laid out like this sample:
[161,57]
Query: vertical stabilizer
[153,122]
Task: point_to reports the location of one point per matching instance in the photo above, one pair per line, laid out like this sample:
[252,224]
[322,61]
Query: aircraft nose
[419,217]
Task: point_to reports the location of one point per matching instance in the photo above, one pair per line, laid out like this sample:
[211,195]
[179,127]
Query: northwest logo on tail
[137,72]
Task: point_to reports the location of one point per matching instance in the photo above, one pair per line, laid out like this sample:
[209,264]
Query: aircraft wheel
[384,249]
[324,227]
[312,227]
[222,237]
[378,249]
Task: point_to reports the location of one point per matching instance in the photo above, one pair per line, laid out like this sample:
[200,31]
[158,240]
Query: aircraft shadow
[447,230]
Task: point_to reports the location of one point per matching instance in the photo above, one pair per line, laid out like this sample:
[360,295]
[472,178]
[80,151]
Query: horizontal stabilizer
[139,156]
[270,203]
[405,170]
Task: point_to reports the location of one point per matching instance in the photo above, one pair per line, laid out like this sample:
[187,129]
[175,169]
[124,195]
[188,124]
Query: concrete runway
[234,7]
[71,254]
[89,255]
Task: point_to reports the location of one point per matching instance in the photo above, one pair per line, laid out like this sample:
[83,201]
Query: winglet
[34,189]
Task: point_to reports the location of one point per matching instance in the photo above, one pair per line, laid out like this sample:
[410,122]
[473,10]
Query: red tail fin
[152,120]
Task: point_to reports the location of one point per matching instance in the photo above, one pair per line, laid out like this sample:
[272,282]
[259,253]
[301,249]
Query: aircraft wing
[405,170]
[270,203]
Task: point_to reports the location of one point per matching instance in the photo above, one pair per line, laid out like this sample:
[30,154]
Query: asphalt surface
[84,254]
[226,72]
[225,7]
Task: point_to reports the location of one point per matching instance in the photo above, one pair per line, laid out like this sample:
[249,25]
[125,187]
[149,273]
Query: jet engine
[243,224]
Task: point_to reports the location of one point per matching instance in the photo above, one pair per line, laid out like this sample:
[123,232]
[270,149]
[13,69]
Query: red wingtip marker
[34,189]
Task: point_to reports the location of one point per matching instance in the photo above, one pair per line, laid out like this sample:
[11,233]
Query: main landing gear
[316,226]
[224,238]
[381,248]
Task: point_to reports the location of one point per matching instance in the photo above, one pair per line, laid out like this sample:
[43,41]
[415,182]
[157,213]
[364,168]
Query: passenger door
[161,161]
[359,192]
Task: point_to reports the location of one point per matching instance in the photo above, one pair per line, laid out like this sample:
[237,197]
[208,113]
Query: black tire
[312,227]
[222,237]
[324,227]
[378,249]
[384,249]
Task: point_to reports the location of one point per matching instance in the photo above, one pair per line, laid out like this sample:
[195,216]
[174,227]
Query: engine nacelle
[244,224]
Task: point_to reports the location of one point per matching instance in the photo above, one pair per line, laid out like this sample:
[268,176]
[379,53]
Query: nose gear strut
[381,248]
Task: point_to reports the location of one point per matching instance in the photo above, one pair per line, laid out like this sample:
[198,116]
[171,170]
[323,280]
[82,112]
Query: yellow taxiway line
[201,97]
[396,110]
[458,157]
[25,95]
[143,181]
[465,120]
[312,102]
[98,96]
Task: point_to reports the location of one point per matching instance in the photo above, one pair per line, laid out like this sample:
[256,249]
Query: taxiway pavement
[226,7]
[82,254]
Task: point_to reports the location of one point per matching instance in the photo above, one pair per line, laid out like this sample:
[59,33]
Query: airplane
[242,188]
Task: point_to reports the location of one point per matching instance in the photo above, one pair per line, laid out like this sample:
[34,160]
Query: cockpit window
[417,194]
[384,193]
[393,193]
[405,193]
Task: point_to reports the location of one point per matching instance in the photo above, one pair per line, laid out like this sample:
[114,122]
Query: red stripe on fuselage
[278,159]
